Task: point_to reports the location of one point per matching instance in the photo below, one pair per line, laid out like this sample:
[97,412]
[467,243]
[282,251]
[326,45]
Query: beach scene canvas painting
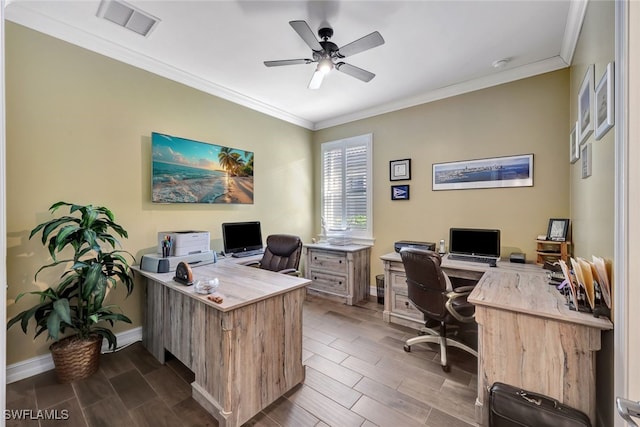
[187,171]
[511,171]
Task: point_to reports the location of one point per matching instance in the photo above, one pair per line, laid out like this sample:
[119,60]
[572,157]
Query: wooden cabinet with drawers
[338,272]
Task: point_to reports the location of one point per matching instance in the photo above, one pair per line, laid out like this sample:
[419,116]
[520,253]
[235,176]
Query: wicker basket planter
[75,358]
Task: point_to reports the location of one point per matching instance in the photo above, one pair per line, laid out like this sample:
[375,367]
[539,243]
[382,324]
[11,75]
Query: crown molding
[577,11]
[39,22]
[63,31]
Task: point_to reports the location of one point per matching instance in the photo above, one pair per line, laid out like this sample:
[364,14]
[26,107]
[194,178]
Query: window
[346,185]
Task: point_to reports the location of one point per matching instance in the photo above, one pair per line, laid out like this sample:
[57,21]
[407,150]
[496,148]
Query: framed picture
[509,171]
[604,113]
[586,160]
[400,170]
[399,192]
[558,229]
[585,106]
[574,147]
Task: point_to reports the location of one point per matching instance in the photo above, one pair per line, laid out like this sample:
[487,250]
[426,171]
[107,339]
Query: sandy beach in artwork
[205,190]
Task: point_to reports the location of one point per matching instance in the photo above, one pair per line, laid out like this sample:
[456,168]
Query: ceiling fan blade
[287,62]
[365,43]
[303,30]
[356,72]
[316,80]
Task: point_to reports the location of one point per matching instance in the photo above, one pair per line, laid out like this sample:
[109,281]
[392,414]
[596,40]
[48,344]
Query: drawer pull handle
[340,261]
[406,304]
[340,282]
[315,257]
[315,278]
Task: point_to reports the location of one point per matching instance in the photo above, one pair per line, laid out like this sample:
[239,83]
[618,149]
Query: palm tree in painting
[226,159]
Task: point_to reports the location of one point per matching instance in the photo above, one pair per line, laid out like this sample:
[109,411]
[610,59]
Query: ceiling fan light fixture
[325,65]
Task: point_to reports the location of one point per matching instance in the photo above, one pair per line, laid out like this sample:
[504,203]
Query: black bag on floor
[514,407]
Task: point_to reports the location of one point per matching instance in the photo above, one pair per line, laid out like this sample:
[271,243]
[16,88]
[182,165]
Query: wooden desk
[527,336]
[245,352]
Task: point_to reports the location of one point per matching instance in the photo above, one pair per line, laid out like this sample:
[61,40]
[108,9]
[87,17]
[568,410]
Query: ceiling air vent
[127,16]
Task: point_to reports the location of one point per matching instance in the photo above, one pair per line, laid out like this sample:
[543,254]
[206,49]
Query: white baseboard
[39,364]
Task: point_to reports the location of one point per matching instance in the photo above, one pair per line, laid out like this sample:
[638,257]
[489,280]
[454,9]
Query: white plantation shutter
[346,185]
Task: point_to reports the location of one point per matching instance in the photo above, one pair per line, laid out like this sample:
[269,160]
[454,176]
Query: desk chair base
[434,336]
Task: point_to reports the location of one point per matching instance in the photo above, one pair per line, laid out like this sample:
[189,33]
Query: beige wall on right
[592,198]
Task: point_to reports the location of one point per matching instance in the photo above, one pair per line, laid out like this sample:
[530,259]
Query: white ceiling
[432,50]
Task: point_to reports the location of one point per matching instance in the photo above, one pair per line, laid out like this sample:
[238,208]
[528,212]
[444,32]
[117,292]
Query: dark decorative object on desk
[400,170]
[76,302]
[399,192]
[558,229]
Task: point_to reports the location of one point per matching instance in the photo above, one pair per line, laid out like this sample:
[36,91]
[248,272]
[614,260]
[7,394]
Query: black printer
[429,246]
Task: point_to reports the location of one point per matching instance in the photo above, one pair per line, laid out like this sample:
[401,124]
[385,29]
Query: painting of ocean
[512,171]
[187,171]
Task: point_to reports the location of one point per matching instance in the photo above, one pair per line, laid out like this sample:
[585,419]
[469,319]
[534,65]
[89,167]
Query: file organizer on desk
[586,287]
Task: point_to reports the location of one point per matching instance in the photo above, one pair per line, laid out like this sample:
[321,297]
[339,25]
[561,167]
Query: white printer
[184,242]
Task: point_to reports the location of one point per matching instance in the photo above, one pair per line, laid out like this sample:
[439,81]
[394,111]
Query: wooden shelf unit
[549,250]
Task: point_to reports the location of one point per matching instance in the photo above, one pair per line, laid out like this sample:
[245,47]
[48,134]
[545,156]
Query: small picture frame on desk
[558,229]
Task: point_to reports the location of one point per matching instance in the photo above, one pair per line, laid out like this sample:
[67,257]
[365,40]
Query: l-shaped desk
[527,336]
[245,352]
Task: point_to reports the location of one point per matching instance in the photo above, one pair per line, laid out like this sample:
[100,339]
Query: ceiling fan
[328,55]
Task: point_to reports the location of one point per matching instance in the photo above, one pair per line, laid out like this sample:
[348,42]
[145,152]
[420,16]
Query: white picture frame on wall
[574,147]
[604,105]
[585,106]
[586,160]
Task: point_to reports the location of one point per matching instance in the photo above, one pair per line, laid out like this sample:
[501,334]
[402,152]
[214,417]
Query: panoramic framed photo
[604,111]
[400,170]
[495,172]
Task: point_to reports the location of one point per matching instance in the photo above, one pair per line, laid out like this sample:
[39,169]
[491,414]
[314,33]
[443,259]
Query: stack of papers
[590,276]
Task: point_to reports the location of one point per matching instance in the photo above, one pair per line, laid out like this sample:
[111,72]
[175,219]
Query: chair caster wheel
[407,348]
[446,368]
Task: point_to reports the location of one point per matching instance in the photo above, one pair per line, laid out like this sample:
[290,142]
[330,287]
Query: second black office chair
[431,293]
[281,255]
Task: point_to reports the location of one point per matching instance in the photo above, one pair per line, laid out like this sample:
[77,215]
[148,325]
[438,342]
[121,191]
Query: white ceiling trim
[36,21]
[577,10]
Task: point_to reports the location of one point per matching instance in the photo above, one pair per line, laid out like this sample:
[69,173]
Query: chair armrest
[454,295]
[254,263]
[290,272]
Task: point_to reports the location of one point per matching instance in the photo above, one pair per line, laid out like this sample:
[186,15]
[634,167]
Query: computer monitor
[473,241]
[241,236]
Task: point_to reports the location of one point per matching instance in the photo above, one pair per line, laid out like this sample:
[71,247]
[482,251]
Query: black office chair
[281,255]
[430,291]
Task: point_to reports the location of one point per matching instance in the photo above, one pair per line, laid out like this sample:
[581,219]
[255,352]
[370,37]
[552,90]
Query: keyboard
[470,258]
[247,253]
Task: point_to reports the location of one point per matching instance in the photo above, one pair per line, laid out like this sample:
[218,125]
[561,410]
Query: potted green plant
[75,303]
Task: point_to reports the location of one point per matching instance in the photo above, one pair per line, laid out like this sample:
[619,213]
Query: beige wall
[527,116]
[592,198]
[78,129]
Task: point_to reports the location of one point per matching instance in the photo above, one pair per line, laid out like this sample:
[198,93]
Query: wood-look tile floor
[357,374]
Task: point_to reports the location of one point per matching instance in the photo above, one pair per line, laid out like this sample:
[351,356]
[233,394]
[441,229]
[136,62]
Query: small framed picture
[399,192]
[558,229]
[574,147]
[604,113]
[586,160]
[400,169]
[585,106]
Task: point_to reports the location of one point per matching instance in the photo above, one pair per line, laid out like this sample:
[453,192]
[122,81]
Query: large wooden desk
[245,352]
[527,336]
